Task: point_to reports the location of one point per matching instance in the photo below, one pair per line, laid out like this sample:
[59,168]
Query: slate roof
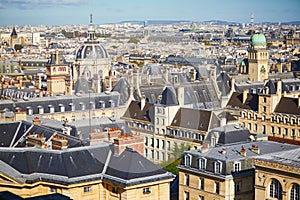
[134,111]
[169,97]
[202,120]
[233,150]
[123,88]
[236,100]
[13,134]
[288,105]
[65,100]
[29,165]
[229,134]
[290,158]
[224,83]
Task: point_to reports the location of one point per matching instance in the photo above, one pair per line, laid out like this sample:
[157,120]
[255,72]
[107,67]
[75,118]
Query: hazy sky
[59,12]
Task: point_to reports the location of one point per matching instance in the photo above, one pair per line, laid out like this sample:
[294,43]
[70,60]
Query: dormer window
[188,160]
[218,167]
[237,166]
[202,163]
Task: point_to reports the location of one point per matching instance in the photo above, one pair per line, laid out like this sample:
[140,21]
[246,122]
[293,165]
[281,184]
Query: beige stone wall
[266,171]
[94,190]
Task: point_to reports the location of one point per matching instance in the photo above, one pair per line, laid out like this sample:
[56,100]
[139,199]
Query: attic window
[87,189]
[146,191]
[187,160]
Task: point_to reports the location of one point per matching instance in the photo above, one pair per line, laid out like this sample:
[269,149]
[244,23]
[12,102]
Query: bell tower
[258,57]
[58,75]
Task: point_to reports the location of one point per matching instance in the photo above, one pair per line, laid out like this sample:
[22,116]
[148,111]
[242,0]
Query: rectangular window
[255,127]
[218,167]
[163,144]
[217,187]
[237,187]
[186,179]
[114,190]
[169,145]
[279,131]
[186,196]
[264,109]
[87,189]
[202,163]
[201,197]
[237,167]
[53,189]
[157,143]
[249,126]
[146,191]
[201,183]
[152,142]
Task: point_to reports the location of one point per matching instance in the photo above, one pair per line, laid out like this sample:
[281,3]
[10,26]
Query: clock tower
[258,57]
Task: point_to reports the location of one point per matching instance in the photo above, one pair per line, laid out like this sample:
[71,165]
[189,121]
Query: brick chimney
[36,141]
[59,142]
[36,120]
[123,141]
[243,151]
[255,149]
[223,150]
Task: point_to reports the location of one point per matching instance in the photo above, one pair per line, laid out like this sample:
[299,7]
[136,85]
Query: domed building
[258,57]
[258,41]
[92,60]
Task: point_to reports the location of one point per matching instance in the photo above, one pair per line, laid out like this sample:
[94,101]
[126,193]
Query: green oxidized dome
[258,39]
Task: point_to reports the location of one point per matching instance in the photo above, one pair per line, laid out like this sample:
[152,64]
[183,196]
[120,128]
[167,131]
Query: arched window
[275,189]
[295,192]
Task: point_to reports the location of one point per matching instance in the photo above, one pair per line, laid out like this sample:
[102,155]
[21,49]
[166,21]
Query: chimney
[223,120]
[204,148]
[223,150]
[143,102]
[59,142]
[255,149]
[56,56]
[20,115]
[135,142]
[279,88]
[243,151]
[180,94]
[36,120]
[36,141]
[232,84]
[245,94]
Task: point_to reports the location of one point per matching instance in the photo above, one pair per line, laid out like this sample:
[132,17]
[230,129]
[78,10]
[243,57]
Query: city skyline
[54,12]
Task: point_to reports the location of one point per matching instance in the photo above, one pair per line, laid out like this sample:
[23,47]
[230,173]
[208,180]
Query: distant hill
[212,22]
[157,22]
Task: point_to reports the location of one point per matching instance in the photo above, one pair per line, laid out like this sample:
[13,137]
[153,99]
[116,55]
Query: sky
[62,12]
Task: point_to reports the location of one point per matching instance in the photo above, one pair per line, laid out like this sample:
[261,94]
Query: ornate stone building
[258,58]
[92,62]
[278,176]
[227,172]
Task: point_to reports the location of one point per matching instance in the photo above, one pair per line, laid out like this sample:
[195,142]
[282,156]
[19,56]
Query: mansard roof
[202,120]
[236,100]
[30,165]
[288,105]
[136,112]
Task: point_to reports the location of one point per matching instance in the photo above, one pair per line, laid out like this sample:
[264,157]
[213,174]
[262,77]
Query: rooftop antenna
[91,18]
